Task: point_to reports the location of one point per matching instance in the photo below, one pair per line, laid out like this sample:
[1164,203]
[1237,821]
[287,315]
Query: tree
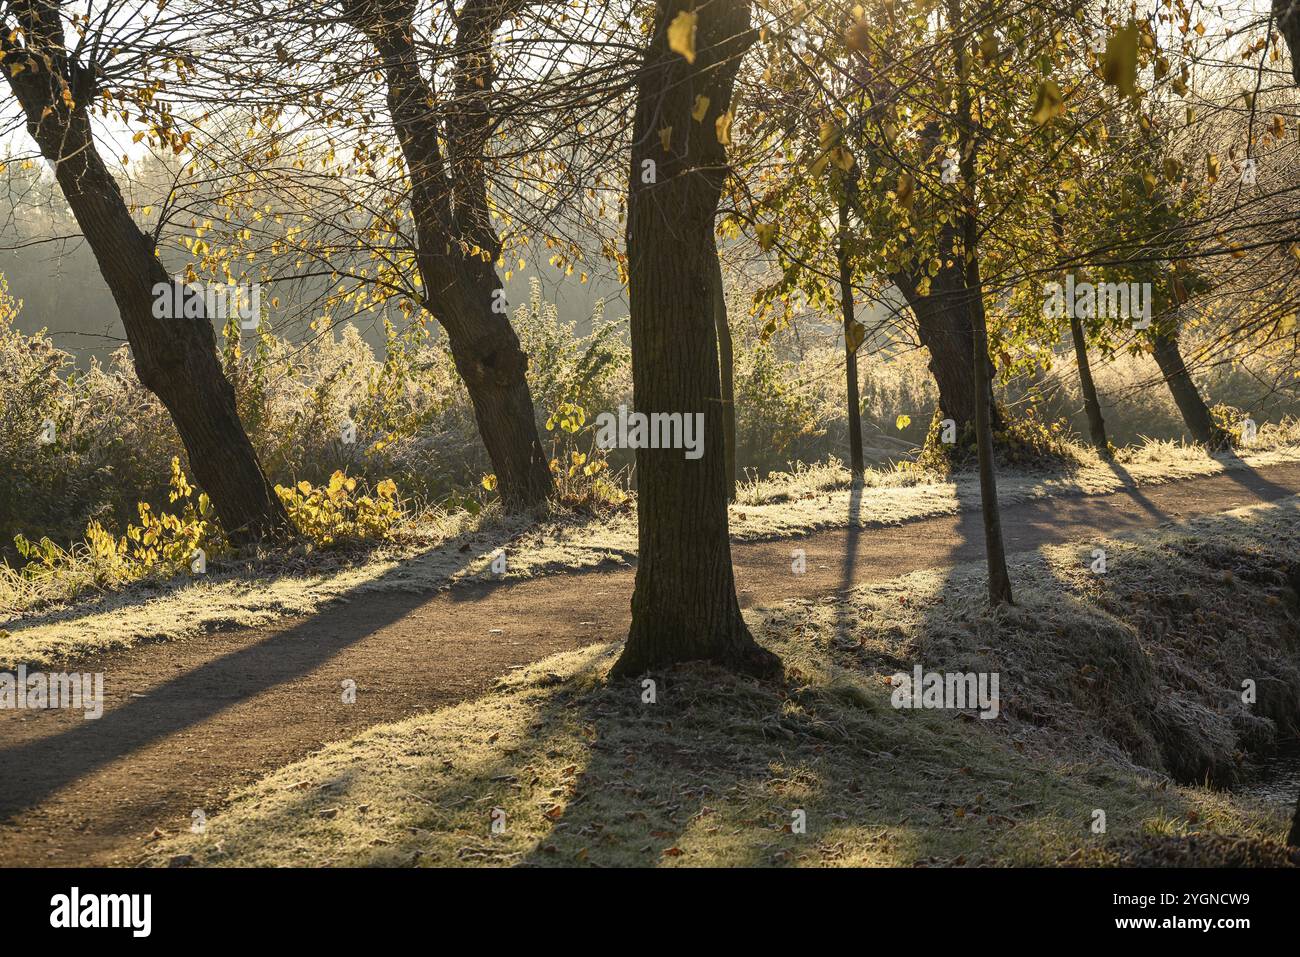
[967,143]
[727,374]
[853,336]
[684,605]
[175,358]
[457,244]
[941,305]
[1091,405]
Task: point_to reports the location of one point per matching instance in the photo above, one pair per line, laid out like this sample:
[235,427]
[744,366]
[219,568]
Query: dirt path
[186,722]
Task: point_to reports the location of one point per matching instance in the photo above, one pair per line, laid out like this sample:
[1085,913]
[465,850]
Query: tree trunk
[457,243]
[727,374]
[1096,424]
[1293,839]
[944,326]
[856,465]
[175,358]
[995,550]
[684,604]
[1195,412]
[1287,13]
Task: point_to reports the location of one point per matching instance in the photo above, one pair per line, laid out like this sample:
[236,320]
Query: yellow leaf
[665,137]
[989,45]
[722,127]
[1119,63]
[1212,168]
[701,107]
[905,192]
[857,36]
[854,335]
[766,235]
[1049,102]
[902,422]
[681,34]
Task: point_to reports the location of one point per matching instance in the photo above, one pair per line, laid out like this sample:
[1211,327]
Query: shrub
[334,514]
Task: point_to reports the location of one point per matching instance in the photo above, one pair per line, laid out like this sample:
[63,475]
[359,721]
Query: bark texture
[1091,405]
[175,358]
[684,605]
[994,547]
[727,375]
[1186,396]
[944,326]
[853,404]
[458,246]
[1287,14]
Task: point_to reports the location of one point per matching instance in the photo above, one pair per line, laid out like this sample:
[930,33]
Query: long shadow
[1131,487]
[644,779]
[37,769]
[148,592]
[1249,479]
[853,532]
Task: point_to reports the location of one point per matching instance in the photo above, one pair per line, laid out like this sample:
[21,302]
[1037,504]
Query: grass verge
[460,548]
[1119,693]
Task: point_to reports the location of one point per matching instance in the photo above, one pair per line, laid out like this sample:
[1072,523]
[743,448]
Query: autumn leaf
[766,235]
[854,335]
[722,127]
[902,422]
[700,108]
[857,36]
[681,34]
[1119,63]
[665,137]
[989,45]
[905,192]
[842,158]
[1049,102]
[1212,168]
